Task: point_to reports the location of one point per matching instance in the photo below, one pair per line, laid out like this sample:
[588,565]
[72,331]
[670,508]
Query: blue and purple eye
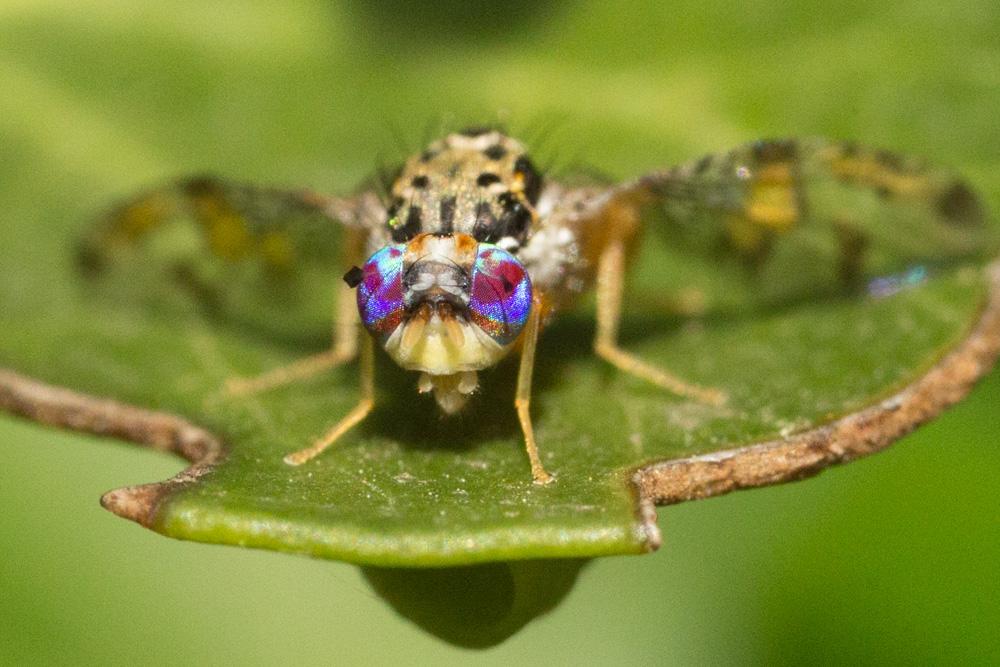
[380,291]
[500,297]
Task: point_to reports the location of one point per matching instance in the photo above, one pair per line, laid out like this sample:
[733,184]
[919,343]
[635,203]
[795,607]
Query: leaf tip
[136,503]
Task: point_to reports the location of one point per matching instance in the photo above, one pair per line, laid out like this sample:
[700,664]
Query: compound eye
[500,298]
[380,292]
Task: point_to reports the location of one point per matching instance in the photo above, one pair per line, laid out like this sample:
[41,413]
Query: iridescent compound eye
[380,292]
[500,298]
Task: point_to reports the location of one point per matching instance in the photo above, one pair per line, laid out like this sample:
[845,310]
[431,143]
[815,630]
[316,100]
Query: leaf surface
[410,488]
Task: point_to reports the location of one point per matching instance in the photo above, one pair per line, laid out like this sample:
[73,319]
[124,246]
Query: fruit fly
[470,251]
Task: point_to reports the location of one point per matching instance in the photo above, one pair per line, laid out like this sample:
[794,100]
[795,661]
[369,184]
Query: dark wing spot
[354,276]
[419,182]
[775,150]
[889,160]
[89,259]
[410,228]
[703,164]
[960,205]
[428,155]
[495,152]
[849,149]
[198,186]
[486,179]
[447,215]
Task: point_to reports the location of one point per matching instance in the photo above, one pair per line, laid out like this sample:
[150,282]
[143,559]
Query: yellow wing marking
[773,197]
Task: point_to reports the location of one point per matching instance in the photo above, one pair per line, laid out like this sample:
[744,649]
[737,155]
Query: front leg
[364,406]
[343,350]
[522,399]
[610,286]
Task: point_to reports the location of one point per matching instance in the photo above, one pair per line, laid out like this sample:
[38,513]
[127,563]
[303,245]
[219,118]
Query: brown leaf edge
[805,454]
[796,457]
[57,406]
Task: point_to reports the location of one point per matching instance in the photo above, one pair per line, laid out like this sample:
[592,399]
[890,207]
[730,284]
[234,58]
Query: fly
[471,252]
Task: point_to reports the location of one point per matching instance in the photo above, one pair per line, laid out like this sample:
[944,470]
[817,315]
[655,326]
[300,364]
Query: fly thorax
[477,182]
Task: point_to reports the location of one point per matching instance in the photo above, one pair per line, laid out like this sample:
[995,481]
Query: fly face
[447,306]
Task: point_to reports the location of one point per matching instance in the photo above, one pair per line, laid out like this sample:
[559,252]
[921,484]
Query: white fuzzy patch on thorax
[548,255]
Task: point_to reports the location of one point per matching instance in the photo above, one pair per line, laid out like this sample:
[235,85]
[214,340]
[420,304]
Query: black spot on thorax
[485,222]
[495,152]
[447,215]
[486,179]
[531,178]
[409,229]
[514,220]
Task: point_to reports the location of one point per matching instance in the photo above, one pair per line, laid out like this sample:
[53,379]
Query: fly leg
[364,406]
[610,286]
[344,349]
[522,399]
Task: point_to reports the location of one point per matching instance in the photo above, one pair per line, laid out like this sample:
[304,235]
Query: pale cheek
[437,353]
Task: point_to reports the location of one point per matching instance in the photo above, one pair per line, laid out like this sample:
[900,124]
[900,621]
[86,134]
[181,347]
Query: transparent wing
[250,253]
[806,214]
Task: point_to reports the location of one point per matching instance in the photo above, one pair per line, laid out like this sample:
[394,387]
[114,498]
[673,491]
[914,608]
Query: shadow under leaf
[476,606]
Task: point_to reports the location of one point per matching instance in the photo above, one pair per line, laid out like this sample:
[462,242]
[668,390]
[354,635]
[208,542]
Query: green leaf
[410,489]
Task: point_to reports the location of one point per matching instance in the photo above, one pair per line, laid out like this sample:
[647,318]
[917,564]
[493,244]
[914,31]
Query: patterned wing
[810,214]
[239,250]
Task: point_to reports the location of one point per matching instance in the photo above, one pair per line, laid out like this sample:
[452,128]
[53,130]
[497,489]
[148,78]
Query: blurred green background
[892,559]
